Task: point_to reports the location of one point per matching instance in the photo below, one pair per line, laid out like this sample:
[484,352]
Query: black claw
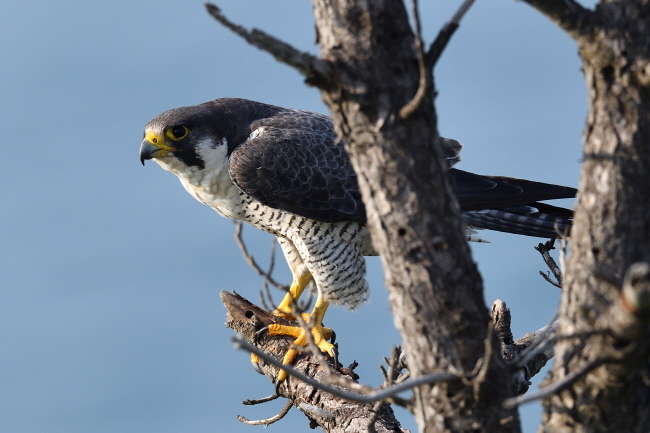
[256,366]
[258,333]
[333,338]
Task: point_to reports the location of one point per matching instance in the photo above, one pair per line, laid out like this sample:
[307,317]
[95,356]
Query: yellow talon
[255,360]
[319,333]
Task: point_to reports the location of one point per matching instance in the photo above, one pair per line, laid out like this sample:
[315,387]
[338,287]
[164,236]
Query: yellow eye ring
[177,133]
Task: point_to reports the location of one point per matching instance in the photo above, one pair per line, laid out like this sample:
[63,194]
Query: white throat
[210,185]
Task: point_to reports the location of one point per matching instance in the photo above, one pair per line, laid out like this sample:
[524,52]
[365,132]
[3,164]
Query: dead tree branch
[569,15]
[318,72]
[443,38]
[247,319]
[268,421]
[526,355]
[544,250]
[556,386]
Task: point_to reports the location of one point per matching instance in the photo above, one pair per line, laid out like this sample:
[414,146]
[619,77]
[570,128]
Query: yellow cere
[158,141]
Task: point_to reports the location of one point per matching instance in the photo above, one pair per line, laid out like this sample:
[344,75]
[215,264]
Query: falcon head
[186,138]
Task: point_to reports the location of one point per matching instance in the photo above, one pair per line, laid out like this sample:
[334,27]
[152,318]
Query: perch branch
[247,319]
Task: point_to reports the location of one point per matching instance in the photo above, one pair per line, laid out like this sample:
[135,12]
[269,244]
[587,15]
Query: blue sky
[110,273]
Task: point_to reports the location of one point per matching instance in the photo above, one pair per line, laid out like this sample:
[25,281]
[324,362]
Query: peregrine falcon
[284,171]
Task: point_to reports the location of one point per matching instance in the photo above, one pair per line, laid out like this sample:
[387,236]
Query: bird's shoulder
[292,160]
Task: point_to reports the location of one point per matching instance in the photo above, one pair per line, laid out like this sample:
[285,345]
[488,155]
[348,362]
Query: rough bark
[332,414]
[435,289]
[611,229]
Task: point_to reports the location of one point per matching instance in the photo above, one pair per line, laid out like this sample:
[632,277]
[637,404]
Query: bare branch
[528,354]
[569,15]
[544,249]
[376,410]
[556,386]
[247,319]
[502,321]
[370,397]
[423,86]
[260,400]
[548,279]
[268,421]
[438,46]
[251,260]
[535,344]
[318,72]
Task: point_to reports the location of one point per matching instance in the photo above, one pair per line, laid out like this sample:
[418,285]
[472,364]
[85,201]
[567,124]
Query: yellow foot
[255,360]
[284,314]
[319,333]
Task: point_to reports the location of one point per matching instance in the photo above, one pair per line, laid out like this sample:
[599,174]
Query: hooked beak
[148,150]
[153,146]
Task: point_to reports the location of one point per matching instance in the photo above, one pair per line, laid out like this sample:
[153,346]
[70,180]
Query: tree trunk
[435,290]
[611,229]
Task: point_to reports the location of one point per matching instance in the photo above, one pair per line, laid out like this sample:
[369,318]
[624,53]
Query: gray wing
[294,163]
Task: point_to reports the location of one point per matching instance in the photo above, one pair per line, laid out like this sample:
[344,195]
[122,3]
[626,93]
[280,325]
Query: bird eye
[177,132]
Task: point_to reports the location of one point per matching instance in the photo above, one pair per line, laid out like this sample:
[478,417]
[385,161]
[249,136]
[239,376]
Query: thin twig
[549,280]
[555,387]
[423,85]
[541,346]
[251,260]
[539,340]
[370,397]
[389,379]
[311,347]
[438,46]
[260,400]
[376,409]
[318,72]
[544,249]
[267,421]
[266,298]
